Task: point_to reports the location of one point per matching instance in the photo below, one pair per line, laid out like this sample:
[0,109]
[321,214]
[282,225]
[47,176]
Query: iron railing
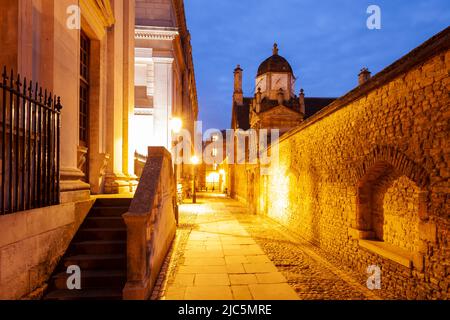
[30,145]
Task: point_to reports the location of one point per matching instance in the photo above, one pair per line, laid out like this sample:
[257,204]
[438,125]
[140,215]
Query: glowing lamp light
[213,177]
[222,172]
[176,125]
[195,160]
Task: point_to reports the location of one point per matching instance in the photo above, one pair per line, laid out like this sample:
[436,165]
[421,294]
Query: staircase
[99,249]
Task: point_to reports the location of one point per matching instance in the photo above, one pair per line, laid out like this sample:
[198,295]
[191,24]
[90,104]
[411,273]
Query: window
[85,48]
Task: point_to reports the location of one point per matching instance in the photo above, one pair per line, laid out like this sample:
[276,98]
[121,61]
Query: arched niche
[391,206]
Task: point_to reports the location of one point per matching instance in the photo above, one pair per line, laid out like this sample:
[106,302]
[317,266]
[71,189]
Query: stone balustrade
[151,225]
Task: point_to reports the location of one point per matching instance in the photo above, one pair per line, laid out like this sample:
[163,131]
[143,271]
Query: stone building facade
[367,178]
[273,106]
[82,51]
[165,80]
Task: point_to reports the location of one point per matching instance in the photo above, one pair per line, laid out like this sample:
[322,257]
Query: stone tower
[274,104]
[238,95]
[275,73]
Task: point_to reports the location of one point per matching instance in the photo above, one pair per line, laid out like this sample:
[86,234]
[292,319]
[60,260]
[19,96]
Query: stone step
[113,202]
[114,234]
[88,294]
[110,211]
[92,279]
[104,222]
[97,261]
[98,247]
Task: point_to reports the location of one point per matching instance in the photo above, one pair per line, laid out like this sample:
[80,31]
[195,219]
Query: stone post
[137,261]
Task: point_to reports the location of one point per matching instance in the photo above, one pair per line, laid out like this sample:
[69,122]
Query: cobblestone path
[222,252]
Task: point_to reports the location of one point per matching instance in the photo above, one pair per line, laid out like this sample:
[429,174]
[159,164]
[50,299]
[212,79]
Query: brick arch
[375,175]
[398,162]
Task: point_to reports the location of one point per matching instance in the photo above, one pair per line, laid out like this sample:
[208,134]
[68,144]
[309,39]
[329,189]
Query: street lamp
[195,161]
[176,125]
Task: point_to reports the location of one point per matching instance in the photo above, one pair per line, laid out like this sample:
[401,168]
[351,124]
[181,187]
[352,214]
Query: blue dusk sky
[326,42]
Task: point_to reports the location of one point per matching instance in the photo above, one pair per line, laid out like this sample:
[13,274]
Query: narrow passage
[223,253]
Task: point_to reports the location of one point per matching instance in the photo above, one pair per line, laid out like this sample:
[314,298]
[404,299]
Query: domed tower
[274,104]
[275,73]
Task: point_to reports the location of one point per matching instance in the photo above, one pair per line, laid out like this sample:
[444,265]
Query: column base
[98,165]
[133,180]
[72,188]
[117,183]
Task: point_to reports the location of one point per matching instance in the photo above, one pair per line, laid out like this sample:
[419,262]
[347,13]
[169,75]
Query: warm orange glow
[213,177]
[279,194]
[176,124]
[195,160]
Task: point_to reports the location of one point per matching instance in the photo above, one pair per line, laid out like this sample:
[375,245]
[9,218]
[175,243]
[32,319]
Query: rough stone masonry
[367,178]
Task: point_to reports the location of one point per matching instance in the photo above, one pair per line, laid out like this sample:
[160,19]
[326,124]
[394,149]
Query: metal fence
[30,145]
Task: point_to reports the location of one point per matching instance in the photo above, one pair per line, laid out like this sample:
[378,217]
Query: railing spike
[18,83]
[30,89]
[58,104]
[5,75]
[34,163]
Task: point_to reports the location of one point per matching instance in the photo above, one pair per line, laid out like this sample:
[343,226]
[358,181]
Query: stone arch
[386,173]
[399,162]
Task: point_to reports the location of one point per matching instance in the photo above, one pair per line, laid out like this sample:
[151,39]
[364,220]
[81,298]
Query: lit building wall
[38,43]
[360,179]
[164,75]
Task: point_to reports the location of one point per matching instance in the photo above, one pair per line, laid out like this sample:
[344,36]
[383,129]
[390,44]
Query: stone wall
[151,224]
[400,222]
[155,13]
[31,244]
[373,166]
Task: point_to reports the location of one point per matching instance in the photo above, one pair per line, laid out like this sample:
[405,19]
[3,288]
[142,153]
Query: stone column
[66,75]
[163,101]
[98,158]
[116,180]
[128,91]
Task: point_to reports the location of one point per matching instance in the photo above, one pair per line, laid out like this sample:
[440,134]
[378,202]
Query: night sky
[325,41]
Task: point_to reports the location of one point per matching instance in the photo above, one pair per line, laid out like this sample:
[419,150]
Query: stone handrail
[151,225]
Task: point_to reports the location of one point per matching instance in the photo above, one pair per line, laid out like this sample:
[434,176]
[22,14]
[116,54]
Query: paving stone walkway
[223,253]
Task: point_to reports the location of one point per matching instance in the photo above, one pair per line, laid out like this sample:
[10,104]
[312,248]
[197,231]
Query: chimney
[258,100]
[364,76]
[238,95]
[301,99]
